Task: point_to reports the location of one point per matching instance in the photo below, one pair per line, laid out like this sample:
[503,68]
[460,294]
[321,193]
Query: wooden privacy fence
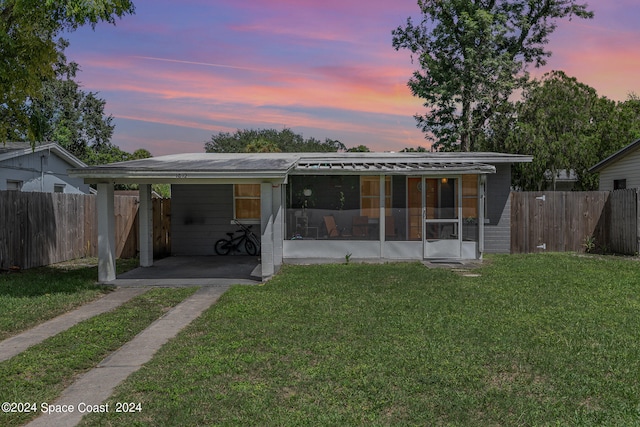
[556,221]
[44,228]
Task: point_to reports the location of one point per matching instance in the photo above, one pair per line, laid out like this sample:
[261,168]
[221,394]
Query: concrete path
[19,343]
[98,384]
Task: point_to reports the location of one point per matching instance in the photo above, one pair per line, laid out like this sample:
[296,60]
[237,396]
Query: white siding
[627,168]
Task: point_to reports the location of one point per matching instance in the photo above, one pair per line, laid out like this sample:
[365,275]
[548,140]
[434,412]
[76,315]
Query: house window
[58,188]
[370,196]
[470,197]
[246,201]
[619,184]
[14,185]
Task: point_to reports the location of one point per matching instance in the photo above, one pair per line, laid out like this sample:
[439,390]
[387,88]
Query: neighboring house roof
[615,156]
[279,165]
[562,175]
[11,150]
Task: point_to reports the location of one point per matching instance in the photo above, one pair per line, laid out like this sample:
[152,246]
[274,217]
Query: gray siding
[497,231]
[200,215]
[31,168]
[627,168]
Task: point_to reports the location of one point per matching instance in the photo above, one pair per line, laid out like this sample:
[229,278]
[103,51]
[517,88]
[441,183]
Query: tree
[261,145]
[359,149]
[69,116]
[270,139]
[419,149]
[473,55]
[28,50]
[564,124]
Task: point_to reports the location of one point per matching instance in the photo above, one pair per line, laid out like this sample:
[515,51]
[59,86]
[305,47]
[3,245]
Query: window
[470,197]
[370,196]
[619,184]
[58,188]
[14,185]
[246,201]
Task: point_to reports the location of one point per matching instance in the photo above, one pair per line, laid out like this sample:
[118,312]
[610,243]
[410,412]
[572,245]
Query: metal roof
[277,166]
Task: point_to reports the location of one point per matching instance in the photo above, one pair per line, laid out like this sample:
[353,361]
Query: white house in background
[621,169]
[43,169]
[318,207]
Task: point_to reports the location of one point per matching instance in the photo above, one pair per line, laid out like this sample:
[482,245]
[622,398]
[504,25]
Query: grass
[547,339]
[40,373]
[35,295]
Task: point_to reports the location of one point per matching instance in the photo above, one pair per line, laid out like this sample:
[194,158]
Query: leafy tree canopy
[473,54]
[564,124]
[268,140]
[69,116]
[419,149]
[359,149]
[28,50]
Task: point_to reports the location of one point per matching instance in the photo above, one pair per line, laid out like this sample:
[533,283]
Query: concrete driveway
[194,271]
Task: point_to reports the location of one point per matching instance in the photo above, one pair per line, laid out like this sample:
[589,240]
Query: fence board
[563,221]
[43,228]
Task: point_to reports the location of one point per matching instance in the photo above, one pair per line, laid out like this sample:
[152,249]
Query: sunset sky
[175,73]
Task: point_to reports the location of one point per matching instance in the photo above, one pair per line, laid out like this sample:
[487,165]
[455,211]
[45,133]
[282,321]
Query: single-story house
[43,169]
[562,180]
[319,206]
[621,169]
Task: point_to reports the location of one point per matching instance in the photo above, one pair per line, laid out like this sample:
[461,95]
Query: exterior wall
[627,168]
[29,169]
[497,227]
[200,215]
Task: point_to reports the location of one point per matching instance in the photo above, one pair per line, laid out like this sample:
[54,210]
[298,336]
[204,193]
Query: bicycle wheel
[250,247]
[222,247]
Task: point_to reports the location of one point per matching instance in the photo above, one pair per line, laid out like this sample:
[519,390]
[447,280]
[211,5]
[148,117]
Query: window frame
[375,198]
[619,184]
[18,185]
[236,198]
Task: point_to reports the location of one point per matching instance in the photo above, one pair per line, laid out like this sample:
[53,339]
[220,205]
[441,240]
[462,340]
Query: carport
[195,169]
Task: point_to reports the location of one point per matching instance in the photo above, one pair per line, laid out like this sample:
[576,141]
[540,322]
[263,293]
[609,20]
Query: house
[43,168]
[310,207]
[621,169]
[562,180]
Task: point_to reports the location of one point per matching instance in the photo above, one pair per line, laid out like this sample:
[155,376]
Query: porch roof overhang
[391,168]
[276,167]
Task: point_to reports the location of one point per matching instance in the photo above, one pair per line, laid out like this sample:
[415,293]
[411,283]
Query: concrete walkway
[98,384]
[19,343]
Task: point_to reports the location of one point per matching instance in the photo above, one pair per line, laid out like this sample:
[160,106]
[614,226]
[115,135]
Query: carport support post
[145,216]
[106,234]
[278,226]
[266,221]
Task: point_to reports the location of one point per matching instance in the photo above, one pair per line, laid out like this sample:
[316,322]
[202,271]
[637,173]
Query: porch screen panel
[370,196]
[470,196]
[247,201]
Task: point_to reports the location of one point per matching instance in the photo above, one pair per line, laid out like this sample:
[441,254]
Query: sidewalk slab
[19,343]
[98,384]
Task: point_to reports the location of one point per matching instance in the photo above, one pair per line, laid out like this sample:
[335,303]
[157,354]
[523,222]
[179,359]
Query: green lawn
[40,373]
[33,296]
[535,340]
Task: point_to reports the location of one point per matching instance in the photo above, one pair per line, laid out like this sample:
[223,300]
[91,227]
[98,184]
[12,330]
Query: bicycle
[250,241]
